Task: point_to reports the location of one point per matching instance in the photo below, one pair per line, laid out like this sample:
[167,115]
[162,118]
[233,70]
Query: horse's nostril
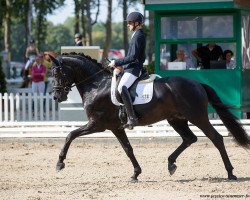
[55,98]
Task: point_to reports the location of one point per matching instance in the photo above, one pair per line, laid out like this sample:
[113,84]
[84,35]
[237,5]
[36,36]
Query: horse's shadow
[211,180]
[215,180]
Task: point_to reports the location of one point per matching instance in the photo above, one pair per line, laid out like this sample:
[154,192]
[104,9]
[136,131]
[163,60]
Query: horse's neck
[89,91]
[88,77]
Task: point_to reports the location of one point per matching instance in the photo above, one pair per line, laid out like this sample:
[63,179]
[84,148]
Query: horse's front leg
[84,130]
[123,139]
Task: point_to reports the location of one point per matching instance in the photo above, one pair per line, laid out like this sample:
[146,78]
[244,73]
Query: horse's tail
[229,120]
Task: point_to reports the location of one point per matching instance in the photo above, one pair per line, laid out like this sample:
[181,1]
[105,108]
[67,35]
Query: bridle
[63,80]
[63,83]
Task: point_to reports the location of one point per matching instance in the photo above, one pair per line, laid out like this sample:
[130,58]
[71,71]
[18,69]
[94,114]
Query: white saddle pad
[144,91]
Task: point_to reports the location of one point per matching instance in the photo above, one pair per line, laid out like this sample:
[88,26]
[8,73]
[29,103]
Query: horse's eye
[66,89]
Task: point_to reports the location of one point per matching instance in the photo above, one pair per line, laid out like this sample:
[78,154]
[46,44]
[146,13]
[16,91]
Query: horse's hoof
[59,166]
[128,126]
[133,180]
[232,177]
[172,168]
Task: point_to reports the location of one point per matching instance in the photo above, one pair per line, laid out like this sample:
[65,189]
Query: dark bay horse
[176,99]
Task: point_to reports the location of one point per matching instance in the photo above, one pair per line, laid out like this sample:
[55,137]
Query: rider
[31,53]
[78,39]
[132,64]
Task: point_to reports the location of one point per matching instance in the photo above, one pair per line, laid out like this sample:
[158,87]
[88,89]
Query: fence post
[30,105]
[41,106]
[11,107]
[17,107]
[47,104]
[23,107]
[6,105]
[35,106]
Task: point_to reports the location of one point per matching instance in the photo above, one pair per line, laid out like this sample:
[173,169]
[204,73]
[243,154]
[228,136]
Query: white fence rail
[27,107]
[36,115]
[62,128]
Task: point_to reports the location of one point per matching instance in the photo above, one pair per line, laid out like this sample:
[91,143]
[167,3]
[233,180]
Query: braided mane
[82,58]
[79,55]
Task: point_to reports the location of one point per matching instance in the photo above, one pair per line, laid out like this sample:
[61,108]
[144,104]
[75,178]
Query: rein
[88,78]
[68,88]
[63,85]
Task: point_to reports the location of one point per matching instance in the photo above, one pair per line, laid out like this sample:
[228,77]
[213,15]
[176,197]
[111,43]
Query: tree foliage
[59,36]
[18,41]
[43,8]
[48,36]
[83,21]
[108,26]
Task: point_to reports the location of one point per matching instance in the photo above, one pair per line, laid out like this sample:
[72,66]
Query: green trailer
[189,24]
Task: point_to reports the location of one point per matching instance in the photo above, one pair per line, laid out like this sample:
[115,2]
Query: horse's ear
[60,60]
[54,60]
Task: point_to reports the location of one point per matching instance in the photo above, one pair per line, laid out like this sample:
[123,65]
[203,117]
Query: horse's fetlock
[62,157]
[171,160]
[137,170]
[193,139]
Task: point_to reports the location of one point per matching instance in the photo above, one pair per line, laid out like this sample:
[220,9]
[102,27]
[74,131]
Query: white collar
[133,34]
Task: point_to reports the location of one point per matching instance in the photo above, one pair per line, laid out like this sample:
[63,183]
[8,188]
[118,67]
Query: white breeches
[126,80]
[38,87]
[30,61]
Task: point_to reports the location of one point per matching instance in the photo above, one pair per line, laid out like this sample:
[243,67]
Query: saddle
[132,89]
[141,91]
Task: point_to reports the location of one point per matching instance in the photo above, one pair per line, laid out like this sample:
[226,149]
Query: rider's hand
[117,70]
[112,64]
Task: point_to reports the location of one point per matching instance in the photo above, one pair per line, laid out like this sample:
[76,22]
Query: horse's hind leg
[123,139]
[188,137]
[218,142]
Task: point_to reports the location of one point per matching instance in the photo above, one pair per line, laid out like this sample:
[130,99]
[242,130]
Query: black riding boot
[132,119]
[123,115]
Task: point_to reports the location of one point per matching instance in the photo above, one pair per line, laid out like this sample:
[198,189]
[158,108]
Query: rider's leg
[27,64]
[126,81]
[30,62]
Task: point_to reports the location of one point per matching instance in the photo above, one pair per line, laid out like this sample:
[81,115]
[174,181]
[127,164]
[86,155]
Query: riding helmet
[135,17]
[32,41]
[78,35]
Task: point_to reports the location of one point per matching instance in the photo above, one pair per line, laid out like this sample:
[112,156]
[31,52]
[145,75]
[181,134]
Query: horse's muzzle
[55,98]
[59,98]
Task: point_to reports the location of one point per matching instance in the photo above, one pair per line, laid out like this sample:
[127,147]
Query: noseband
[63,80]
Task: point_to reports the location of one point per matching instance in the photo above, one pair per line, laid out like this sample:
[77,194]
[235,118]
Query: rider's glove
[112,64]
[117,71]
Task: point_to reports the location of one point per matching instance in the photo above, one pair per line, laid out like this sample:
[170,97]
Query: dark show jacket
[207,55]
[79,43]
[136,54]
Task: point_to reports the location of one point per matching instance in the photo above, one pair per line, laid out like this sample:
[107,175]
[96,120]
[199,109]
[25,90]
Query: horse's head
[63,79]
